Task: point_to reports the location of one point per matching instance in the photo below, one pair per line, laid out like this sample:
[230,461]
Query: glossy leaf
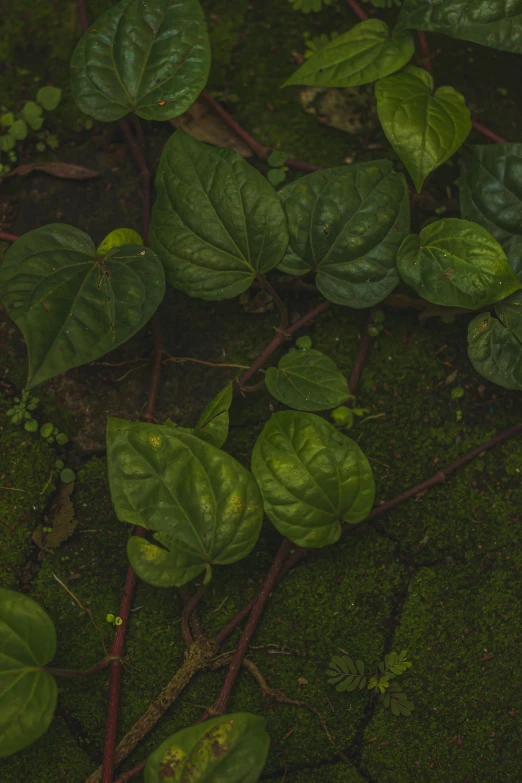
[204,506]
[491,188]
[424,129]
[495,350]
[364,54]
[456,263]
[118,238]
[513,250]
[213,423]
[312,478]
[217,222]
[510,313]
[149,58]
[27,694]
[497,24]
[307,381]
[229,749]
[71,307]
[347,223]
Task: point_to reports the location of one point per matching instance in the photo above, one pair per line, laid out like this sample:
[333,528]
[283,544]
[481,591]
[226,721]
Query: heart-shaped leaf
[490,185]
[456,263]
[27,694]
[213,423]
[347,223]
[70,306]
[364,54]
[229,749]
[150,58]
[495,346]
[307,381]
[424,129]
[205,507]
[217,222]
[49,97]
[118,238]
[312,478]
[496,24]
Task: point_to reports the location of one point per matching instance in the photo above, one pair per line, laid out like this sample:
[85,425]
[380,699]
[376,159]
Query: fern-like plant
[348,675]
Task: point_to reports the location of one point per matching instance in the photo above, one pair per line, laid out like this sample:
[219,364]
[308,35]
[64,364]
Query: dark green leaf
[513,250]
[491,188]
[217,222]
[364,54]
[496,24]
[495,351]
[149,58]
[70,307]
[347,224]
[276,176]
[307,381]
[360,667]
[213,423]
[424,129]
[312,478]
[27,694]
[229,749]
[205,507]
[277,158]
[456,263]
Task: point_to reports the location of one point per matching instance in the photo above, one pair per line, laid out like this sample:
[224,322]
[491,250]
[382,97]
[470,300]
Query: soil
[438,576]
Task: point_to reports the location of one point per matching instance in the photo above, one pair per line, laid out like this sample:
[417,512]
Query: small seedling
[17,127]
[277,172]
[349,676]
[22,411]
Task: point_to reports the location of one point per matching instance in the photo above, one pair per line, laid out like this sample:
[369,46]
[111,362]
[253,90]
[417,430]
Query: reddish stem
[115,679]
[98,667]
[425,50]
[139,156]
[7,237]
[158,353]
[358,11]
[489,134]
[220,707]
[279,340]
[131,773]
[362,353]
[84,22]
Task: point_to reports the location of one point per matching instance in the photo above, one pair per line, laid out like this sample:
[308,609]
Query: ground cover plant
[218,227]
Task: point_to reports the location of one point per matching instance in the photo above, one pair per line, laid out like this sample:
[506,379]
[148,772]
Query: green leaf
[491,188]
[304,342]
[7,119]
[33,115]
[46,430]
[229,749]
[118,238]
[214,421]
[307,381]
[67,475]
[364,54]
[312,478]
[424,129]
[277,158]
[347,224]
[495,24]
[205,507]
[456,263]
[495,351]
[217,223]
[27,694]
[7,142]
[18,130]
[276,176]
[71,307]
[49,97]
[151,58]
[513,250]
[62,439]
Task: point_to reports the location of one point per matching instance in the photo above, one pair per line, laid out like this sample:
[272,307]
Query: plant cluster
[16,127]
[218,226]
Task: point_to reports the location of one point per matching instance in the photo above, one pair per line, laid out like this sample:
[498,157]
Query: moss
[461,627]
[26,463]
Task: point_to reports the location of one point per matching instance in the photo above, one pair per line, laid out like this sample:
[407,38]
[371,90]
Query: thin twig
[358,11]
[182,359]
[84,22]
[100,666]
[425,50]
[132,772]
[220,706]
[362,353]
[84,609]
[158,353]
[187,615]
[8,237]
[489,134]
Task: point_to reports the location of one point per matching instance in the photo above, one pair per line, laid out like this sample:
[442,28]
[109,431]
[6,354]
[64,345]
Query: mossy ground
[439,575]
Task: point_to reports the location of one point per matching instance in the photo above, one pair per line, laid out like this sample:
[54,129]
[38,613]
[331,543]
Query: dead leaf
[487,657]
[451,377]
[261,302]
[302,681]
[208,127]
[61,519]
[56,169]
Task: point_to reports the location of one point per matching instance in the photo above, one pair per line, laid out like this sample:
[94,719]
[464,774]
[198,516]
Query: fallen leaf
[61,519]
[207,127]
[56,169]
[302,681]
[487,657]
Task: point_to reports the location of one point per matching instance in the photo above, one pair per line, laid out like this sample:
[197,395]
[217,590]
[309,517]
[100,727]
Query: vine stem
[489,134]
[220,706]
[139,156]
[8,237]
[358,11]
[84,22]
[132,772]
[362,353]
[279,339]
[158,354]
[98,667]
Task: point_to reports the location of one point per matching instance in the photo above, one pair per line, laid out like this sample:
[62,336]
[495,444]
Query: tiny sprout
[59,464]
[342,416]
[110,618]
[46,430]
[457,392]
[31,425]
[62,439]
[118,621]
[373,331]
[304,342]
